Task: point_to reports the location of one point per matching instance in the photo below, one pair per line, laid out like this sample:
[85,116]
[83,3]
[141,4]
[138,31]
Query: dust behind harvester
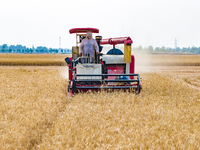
[110,71]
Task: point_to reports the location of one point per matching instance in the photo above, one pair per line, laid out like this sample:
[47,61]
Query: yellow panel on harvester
[75,52]
[127,53]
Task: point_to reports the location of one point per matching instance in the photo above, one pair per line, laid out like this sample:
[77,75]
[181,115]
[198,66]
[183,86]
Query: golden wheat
[58,60]
[165,116]
[167,60]
[33,59]
[37,114]
[30,101]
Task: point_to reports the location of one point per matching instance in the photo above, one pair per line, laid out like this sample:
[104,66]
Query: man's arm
[81,48]
[96,47]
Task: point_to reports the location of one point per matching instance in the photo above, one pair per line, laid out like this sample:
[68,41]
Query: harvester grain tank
[110,71]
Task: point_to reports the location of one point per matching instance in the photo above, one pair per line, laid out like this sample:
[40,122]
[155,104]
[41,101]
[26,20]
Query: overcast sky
[147,22]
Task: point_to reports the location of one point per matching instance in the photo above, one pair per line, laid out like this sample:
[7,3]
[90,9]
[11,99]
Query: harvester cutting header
[89,69]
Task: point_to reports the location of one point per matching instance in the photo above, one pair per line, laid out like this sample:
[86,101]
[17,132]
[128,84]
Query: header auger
[110,71]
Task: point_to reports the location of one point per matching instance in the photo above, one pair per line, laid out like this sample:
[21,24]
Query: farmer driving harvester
[88,47]
[96,71]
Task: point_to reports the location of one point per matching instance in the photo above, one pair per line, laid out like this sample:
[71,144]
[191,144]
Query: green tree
[140,48]
[10,50]
[4,47]
[157,49]
[163,49]
[192,49]
[150,49]
[14,50]
[27,50]
[168,49]
[183,50]
[31,50]
[18,50]
[199,50]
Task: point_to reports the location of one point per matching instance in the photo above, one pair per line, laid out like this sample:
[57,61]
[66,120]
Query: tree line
[150,49]
[41,49]
[38,50]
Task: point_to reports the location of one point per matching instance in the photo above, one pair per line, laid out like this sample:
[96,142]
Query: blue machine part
[121,78]
[115,51]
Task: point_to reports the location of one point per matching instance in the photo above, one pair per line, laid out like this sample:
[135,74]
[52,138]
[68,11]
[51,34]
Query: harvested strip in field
[165,116]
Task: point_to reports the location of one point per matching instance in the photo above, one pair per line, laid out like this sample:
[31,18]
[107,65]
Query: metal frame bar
[95,80]
[105,75]
[106,87]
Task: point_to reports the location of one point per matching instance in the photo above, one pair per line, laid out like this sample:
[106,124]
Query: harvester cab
[110,71]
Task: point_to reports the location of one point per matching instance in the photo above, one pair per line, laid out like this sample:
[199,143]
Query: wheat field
[36,113]
[160,118]
[33,59]
[167,60]
[58,60]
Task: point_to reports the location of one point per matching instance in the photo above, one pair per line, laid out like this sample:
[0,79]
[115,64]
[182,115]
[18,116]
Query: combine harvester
[110,71]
